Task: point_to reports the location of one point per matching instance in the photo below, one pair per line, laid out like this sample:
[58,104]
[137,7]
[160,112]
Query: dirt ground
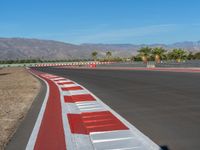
[18,89]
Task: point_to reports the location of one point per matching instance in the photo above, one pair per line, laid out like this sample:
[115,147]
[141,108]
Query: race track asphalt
[165,106]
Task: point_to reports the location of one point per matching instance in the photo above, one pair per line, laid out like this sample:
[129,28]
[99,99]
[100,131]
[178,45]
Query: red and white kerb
[73,118]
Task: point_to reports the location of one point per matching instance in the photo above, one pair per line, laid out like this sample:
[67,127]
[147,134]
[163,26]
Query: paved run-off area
[165,106]
[18,89]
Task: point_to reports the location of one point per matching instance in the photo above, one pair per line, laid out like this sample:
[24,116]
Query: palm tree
[108,55]
[158,53]
[178,54]
[190,56]
[197,55]
[145,53]
[94,55]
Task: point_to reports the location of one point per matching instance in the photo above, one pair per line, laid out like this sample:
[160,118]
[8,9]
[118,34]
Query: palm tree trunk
[144,59]
[157,59]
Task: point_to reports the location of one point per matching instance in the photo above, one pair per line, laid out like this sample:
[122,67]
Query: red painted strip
[94,122]
[63,83]
[76,124]
[78,98]
[72,88]
[51,132]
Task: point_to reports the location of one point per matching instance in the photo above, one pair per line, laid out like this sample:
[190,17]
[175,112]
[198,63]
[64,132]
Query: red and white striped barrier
[89,64]
[73,118]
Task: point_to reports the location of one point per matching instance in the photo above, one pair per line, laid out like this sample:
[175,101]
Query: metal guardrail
[17,65]
[53,64]
[124,64]
[33,64]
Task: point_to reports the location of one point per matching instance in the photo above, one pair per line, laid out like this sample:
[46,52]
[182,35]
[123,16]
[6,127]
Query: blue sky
[102,21]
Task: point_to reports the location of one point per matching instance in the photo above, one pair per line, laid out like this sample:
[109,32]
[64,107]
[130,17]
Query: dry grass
[17,91]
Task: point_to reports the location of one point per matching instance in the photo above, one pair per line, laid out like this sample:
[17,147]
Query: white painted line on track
[89,106]
[58,78]
[62,81]
[83,142]
[68,85]
[33,137]
[73,108]
[76,92]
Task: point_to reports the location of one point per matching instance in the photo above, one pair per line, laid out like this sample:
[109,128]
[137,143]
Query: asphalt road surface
[165,106]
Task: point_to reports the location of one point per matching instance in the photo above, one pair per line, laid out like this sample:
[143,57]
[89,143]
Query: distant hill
[21,48]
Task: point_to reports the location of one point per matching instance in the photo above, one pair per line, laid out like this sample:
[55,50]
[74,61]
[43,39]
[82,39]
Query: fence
[186,64]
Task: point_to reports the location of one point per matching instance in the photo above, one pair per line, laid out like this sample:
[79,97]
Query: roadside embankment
[18,89]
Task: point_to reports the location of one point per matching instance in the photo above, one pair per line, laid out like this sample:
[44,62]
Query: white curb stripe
[68,85]
[90,106]
[62,81]
[76,92]
[58,78]
[33,137]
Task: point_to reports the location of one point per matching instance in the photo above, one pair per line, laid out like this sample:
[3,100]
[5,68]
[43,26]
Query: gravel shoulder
[18,89]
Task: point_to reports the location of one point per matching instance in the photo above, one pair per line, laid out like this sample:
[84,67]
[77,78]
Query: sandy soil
[18,89]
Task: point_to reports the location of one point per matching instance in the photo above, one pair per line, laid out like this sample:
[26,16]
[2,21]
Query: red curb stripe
[51,133]
[72,88]
[78,98]
[63,83]
[76,124]
[81,124]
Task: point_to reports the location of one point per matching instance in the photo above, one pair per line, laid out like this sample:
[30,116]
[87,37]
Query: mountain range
[23,48]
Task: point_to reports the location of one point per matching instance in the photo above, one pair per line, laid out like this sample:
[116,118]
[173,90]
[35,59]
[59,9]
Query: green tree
[178,54]
[197,55]
[108,55]
[190,56]
[145,53]
[136,58]
[94,55]
[158,53]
